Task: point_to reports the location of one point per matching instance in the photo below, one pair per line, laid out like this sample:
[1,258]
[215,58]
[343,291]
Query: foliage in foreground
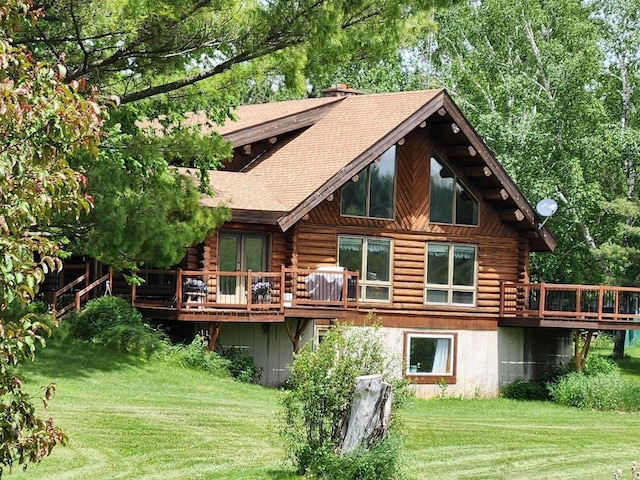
[43,123]
[318,402]
[113,322]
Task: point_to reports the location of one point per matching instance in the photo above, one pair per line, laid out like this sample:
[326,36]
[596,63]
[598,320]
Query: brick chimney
[340,90]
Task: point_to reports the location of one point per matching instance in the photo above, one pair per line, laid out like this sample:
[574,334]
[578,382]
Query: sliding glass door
[239,252]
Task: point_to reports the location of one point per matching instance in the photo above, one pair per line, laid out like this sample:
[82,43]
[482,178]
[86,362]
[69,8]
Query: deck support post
[301,326]
[580,354]
[214,331]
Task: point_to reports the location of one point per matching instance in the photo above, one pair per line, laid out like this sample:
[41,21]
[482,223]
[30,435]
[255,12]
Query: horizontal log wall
[497,261]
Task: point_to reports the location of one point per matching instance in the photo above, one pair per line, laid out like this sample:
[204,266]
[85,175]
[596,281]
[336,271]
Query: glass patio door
[239,252]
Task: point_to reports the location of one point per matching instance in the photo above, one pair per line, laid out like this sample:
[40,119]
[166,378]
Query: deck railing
[577,302]
[185,290]
[78,295]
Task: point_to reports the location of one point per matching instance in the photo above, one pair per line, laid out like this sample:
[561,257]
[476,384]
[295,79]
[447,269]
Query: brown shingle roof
[352,127]
[238,191]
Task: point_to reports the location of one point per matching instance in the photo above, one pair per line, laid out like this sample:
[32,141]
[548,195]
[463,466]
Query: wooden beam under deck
[577,324]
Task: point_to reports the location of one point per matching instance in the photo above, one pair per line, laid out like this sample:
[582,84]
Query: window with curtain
[450,274]
[429,354]
[372,258]
[372,193]
[450,201]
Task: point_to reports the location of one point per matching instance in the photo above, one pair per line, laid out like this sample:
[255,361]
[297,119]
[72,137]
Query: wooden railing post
[542,300]
[249,292]
[133,294]
[345,280]
[283,281]
[600,301]
[179,290]
[502,294]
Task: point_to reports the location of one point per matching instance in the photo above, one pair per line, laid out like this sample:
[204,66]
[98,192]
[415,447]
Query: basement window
[430,357]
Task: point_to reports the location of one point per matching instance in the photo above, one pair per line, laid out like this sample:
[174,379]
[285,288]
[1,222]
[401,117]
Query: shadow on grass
[630,365]
[69,358]
[282,474]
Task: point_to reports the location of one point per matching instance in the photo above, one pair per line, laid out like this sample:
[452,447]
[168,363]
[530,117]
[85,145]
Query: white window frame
[449,286]
[363,282]
[449,374]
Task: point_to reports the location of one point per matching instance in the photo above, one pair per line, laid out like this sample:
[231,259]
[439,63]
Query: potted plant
[261,292]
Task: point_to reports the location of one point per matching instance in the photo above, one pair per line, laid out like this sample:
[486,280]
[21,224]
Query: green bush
[113,322]
[196,356]
[242,366]
[526,390]
[318,403]
[599,365]
[595,392]
[101,314]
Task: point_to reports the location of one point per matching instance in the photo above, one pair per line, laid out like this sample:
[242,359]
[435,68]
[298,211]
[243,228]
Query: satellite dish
[545,208]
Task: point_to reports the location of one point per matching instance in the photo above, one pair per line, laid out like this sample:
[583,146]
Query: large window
[430,355]
[450,201]
[372,191]
[451,274]
[372,258]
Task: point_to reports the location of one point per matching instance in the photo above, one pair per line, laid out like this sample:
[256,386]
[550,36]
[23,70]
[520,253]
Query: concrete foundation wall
[267,343]
[527,353]
[476,362]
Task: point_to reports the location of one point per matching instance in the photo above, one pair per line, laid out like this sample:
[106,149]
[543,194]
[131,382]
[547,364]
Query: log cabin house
[390,204]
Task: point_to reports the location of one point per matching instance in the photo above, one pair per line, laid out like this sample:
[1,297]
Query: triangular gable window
[450,201]
[371,192]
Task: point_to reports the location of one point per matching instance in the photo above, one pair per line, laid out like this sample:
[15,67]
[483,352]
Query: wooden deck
[591,307]
[262,297]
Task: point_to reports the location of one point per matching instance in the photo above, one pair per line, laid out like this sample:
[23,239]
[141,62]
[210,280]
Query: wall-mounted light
[355,178]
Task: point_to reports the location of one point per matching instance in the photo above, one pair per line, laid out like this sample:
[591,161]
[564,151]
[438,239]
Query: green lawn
[132,420]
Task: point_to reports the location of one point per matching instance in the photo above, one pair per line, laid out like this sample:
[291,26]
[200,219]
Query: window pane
[227,262]
[463,297]
[350,253]
[353,197]
[430,355]
[437,296]
[441,193]
[377,293]
[466,207]
[438,264]
[254,253]
[382,185]
[464,261]
[378,260]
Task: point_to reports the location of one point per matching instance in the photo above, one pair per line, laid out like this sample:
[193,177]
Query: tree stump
[370,414]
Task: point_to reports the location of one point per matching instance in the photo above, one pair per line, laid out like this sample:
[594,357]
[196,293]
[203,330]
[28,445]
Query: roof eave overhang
[262,217]
[540,238]
[279,126]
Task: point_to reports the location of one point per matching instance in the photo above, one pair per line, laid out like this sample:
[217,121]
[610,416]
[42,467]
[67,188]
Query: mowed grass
[128,419]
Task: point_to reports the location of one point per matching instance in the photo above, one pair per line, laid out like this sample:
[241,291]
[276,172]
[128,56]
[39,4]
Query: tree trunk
[370,414]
